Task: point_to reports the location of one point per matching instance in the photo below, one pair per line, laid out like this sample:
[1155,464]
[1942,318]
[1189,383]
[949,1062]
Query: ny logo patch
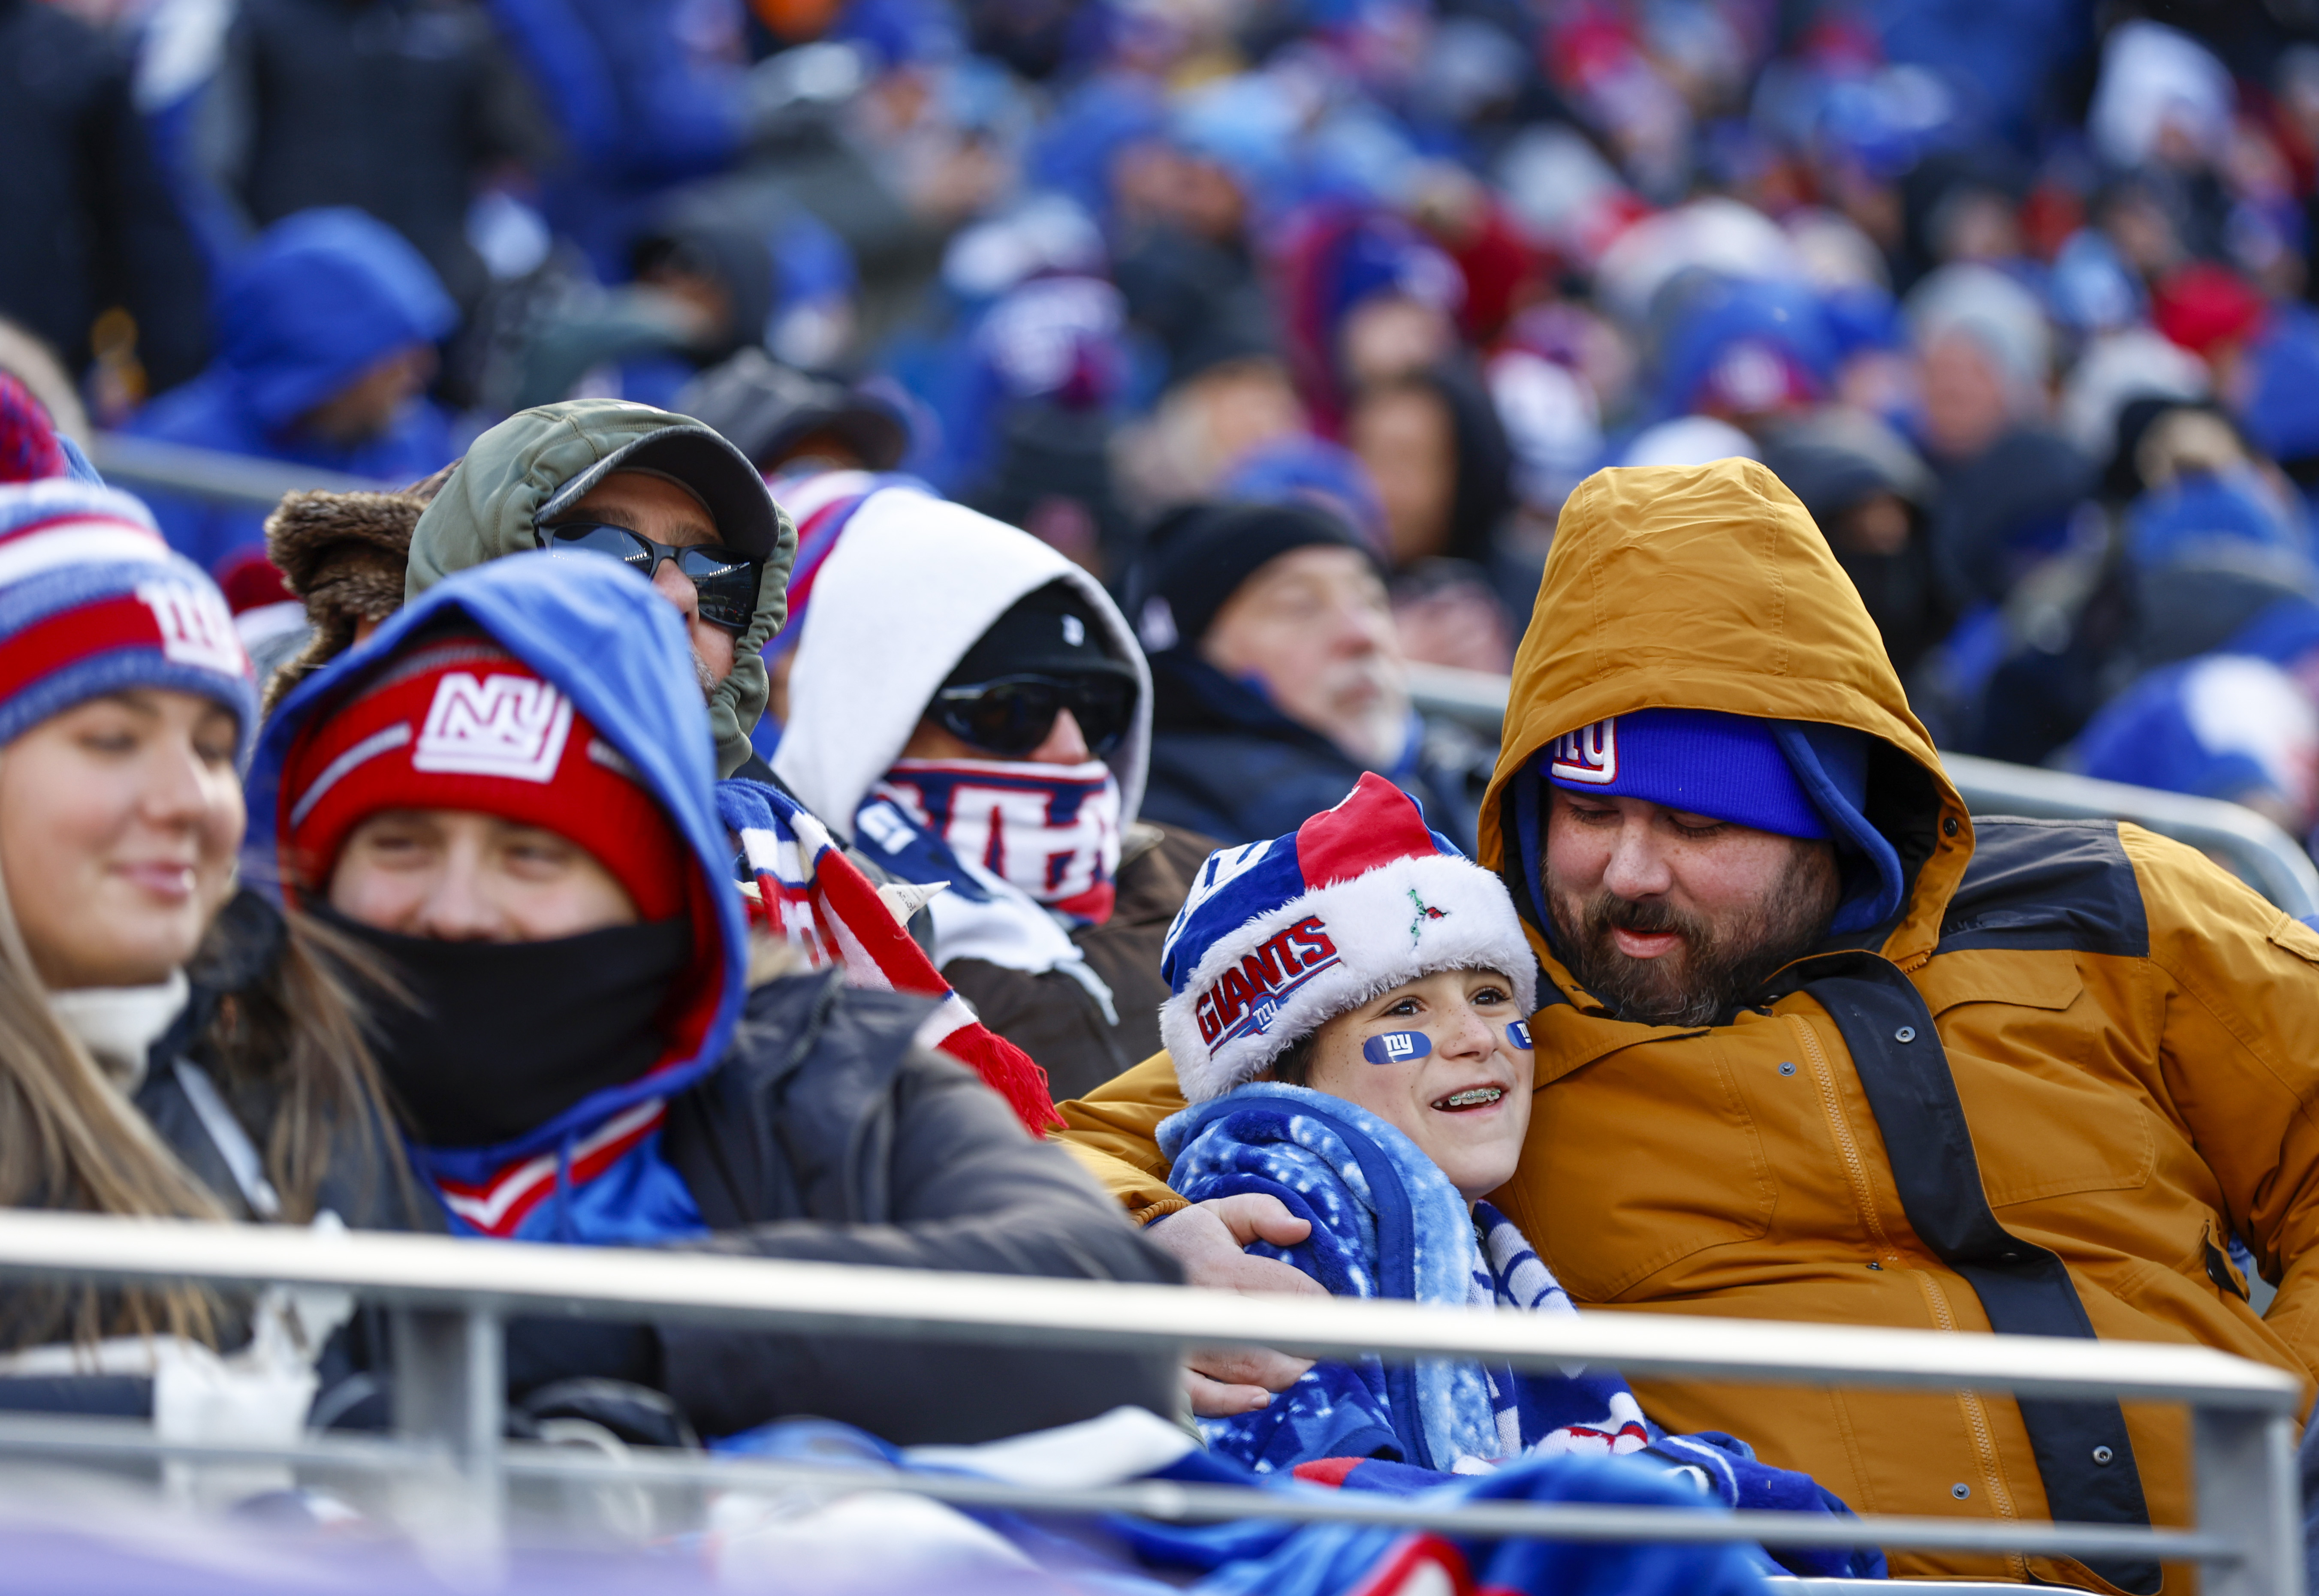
[513,726]
[1589,754]
[196,628]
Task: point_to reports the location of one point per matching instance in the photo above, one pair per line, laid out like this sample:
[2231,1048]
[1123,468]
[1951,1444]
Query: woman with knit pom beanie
[170,1046]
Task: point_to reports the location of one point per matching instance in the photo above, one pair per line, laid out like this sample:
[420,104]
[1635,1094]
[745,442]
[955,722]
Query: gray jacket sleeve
[972,1193]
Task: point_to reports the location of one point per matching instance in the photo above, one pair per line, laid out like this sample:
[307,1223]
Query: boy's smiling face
[1464,1099]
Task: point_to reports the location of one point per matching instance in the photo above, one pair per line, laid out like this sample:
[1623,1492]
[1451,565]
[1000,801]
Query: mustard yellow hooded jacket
[2132,1037]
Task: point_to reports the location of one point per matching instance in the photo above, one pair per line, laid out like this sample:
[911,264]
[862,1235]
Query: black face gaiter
[505,1036]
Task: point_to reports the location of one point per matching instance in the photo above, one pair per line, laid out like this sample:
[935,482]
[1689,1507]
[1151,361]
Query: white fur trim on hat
[1286,973]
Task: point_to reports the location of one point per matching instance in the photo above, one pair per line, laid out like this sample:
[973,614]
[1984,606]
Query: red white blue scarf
[810,895]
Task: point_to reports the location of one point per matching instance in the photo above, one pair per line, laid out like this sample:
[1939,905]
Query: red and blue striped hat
[92,601]
[1279,938]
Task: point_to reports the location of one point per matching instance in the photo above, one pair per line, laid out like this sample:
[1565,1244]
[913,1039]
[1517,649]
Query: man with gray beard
[1278,677]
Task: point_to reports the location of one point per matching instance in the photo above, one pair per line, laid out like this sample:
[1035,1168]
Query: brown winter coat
[2129,1031]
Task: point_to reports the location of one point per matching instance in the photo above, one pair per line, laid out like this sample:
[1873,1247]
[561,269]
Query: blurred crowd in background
[2015,296]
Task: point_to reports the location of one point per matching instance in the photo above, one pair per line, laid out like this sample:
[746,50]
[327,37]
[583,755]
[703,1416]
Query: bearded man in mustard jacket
[1818,1045]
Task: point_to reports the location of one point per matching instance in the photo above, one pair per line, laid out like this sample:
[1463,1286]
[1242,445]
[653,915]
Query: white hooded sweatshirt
[913,583]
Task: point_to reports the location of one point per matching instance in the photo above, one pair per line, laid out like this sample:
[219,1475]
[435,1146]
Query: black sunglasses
[725,578]
[1010,716]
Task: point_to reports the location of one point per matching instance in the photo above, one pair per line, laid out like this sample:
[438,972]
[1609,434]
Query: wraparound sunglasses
[725,578]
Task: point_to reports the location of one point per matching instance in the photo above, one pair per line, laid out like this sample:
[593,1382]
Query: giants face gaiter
[1053,831]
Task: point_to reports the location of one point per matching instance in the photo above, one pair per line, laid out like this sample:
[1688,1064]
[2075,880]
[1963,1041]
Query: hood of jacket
[1708,587]
[488,508]
[619,652]
[907,590]
[317,299]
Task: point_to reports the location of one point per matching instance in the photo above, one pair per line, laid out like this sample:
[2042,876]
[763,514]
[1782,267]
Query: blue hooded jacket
[619,651]
[313,303]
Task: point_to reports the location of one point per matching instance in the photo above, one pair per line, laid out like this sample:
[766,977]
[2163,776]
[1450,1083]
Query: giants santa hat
[1279,938]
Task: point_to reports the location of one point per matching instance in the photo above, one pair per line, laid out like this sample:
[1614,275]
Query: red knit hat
[456,723]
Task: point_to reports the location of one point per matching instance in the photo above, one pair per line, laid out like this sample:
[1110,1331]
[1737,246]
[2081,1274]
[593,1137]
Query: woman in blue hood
[507,794]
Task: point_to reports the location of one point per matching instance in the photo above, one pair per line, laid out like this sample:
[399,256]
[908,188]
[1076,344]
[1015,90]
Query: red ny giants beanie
[454,722]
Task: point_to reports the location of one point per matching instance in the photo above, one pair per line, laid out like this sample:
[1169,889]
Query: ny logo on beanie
[513,726]
[196,628]
[1589,754]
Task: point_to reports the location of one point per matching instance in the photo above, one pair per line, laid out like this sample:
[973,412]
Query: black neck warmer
[504,1036]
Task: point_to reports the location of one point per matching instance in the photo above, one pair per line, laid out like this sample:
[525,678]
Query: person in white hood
[969,707]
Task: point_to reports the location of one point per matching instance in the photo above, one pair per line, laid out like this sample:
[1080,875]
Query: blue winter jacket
[315,301]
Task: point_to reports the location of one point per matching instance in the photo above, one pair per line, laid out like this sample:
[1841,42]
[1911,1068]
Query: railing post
[450,1390]
[2246,1492]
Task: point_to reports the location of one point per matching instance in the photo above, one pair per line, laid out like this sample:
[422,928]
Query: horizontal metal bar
[2275,862]
[51,1434]
[521,1279]
[1790,1585]
[1472,698]
[1165,1500]
[1180,1503]
[214,475]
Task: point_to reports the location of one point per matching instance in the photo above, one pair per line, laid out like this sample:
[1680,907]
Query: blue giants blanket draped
[1386,1223]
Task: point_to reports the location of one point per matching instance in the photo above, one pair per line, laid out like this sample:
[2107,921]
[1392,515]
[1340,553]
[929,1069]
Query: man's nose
[456,908]
[1066,744]
[1356,628]
[1636,867]
[677,588]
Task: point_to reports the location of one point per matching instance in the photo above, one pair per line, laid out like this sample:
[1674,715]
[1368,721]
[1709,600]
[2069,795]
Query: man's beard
[706,677]
[1715,966]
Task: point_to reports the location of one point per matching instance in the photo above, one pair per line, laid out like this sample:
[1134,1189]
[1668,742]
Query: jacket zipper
[1976,1420]
[1855,1167]
[1855,1170]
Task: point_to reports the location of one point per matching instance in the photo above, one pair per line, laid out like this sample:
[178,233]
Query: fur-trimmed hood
[343,556]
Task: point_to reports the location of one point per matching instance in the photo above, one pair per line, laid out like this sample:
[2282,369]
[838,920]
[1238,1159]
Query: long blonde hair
[70,1138]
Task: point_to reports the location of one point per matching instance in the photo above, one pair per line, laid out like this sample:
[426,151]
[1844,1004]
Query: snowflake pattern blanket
[1386,1223]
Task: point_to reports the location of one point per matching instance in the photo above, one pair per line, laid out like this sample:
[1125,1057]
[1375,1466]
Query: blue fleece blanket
[1123,1555]
[1386,1223]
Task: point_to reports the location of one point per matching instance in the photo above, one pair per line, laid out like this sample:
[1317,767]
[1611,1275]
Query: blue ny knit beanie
[1796,778]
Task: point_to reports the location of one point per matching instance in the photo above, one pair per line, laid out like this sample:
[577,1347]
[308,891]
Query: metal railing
[452,1298]
[2260,853]
[211,474]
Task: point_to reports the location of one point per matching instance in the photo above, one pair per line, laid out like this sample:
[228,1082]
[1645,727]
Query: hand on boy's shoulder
[1206,1238]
